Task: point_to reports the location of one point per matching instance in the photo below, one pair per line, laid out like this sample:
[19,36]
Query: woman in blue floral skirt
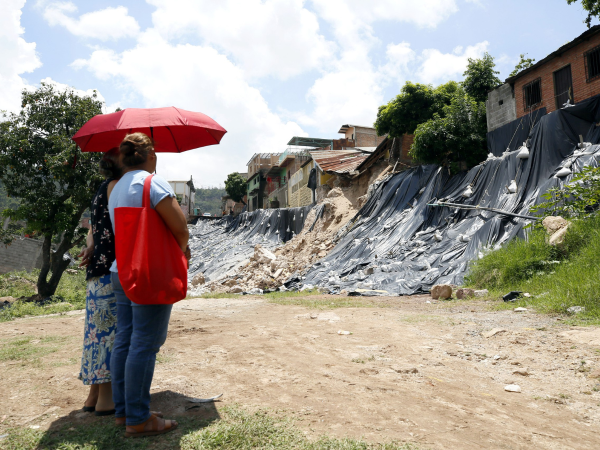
[101,304]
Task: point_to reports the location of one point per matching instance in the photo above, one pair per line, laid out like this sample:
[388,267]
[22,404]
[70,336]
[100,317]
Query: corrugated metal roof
[338,161]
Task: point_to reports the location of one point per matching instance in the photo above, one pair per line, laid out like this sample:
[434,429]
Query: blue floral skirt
[100,330]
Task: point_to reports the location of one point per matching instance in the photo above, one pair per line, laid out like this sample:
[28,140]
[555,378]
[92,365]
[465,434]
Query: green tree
[416,103]
[235,185]
[42,167]
[457,135]
[524,63]
[480,77]
[591,6]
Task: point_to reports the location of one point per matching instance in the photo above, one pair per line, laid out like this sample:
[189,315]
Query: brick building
[361,136]
[569,74]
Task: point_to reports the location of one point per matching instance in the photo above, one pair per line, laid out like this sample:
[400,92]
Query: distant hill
[7,202]
[209,200]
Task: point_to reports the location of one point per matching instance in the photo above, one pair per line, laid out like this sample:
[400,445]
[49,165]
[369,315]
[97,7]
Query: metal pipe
[484,208]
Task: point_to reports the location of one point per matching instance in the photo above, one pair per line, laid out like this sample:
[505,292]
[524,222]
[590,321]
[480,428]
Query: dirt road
[411,370]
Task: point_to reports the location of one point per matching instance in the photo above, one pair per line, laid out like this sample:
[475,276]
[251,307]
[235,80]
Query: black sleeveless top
[104,239]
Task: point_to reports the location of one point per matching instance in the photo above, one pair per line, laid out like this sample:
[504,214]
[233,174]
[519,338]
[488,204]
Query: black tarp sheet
[512,135]
[408,246]
[220,247]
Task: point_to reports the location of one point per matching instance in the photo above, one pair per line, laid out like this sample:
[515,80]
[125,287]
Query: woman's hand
[86,256]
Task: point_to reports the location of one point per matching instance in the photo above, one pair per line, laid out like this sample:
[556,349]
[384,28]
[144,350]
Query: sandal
[151,427]
[120,421]
[89,409]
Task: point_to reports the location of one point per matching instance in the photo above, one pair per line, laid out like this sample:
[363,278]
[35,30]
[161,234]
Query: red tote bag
[152,267]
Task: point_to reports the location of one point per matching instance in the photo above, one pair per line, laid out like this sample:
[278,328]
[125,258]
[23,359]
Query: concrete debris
[198,280]
[255,291]
[494,332]
[441,291]
[235,290]
[465,293]
[576,309]
[481,293]
[512,388]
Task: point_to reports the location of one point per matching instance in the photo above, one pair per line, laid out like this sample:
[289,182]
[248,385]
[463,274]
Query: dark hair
[109,164]
[135,149]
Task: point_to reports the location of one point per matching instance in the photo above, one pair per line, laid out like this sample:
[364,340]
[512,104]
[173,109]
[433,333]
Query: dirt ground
[411,370]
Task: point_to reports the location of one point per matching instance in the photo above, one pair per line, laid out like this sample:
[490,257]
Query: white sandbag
[512,188]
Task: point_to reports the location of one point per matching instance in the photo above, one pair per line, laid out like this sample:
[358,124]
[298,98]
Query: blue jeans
[141,330]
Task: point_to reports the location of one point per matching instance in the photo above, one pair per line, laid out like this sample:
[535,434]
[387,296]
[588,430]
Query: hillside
[209,200]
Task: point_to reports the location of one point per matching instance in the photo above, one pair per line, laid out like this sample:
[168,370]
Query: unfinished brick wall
[367,137]
[22,254]
[582,89]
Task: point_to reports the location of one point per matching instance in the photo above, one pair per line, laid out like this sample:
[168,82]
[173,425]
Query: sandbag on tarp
[220,247]
[512,135]
[400,245]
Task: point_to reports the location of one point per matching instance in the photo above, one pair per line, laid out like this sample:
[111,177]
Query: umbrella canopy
[174,130]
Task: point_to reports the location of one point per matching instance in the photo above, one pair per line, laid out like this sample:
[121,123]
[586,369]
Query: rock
[344,292]
[369,271]
[369,371]
[198,280]
[231,282]
[523,372]
[481,293]
[465,293]
[576,309]
[520,309]
[441,291]
[494,332]
[71,271]
[322,254]
[554,223]
[9,299]
[277,273]
[594,373]
[282,288]
[408,369]
[235,290]
[559,237]
[512,388]
[255,291]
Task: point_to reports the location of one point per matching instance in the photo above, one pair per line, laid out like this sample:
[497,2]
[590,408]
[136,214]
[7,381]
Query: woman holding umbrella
[141,328]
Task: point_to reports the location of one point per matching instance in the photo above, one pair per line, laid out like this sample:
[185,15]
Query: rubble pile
[272,263]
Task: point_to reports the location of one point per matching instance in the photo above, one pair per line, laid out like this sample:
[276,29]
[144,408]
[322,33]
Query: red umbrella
[174,130]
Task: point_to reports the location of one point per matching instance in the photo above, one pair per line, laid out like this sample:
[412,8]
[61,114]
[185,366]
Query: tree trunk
[54,263]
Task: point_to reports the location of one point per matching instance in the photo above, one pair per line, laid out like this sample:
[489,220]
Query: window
[592,63]
[501,102]
[532,94]
[563,87]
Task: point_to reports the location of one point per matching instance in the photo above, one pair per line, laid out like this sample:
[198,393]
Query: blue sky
[265,69]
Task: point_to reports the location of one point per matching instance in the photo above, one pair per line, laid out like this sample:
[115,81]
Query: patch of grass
[70,294]
[29,349]
[218,295]
[237,429]
[557,278]
[358,361]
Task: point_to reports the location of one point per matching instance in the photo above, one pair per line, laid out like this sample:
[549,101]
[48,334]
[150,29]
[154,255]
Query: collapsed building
[399,242]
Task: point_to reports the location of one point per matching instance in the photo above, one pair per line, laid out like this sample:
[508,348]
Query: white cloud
[106,24]
[266,37]
[18,56]
[438,67]
[351,90]
[204,81]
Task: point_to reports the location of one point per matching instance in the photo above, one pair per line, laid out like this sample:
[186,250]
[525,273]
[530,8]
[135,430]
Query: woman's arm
[86,253]
[171,213]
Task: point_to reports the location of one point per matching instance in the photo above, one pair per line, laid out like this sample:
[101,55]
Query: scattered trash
[204,400]
[344,332]
[520,309]
[512,296]
[494,332]
[576,309]
[512,388]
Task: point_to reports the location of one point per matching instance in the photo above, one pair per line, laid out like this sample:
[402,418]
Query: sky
[266,70]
